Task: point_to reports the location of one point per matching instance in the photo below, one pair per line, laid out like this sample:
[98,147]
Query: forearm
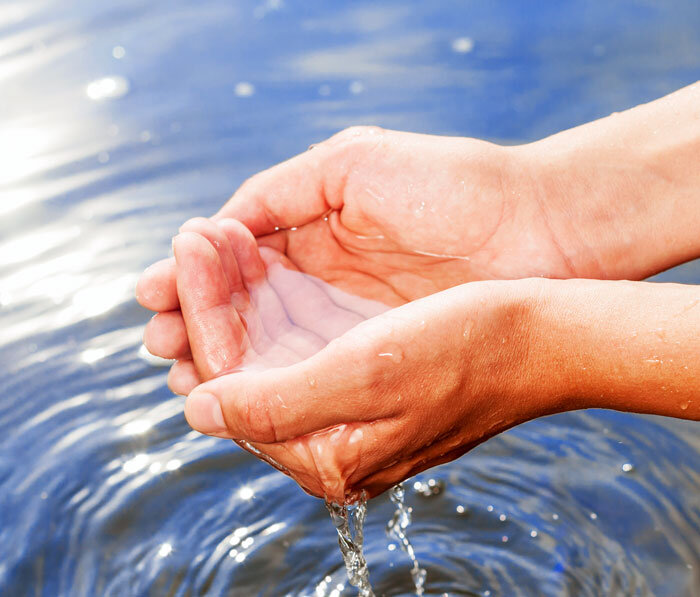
[629,346]
[626,187]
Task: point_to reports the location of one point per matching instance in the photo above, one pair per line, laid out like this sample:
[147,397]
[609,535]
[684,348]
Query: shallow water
[120,120]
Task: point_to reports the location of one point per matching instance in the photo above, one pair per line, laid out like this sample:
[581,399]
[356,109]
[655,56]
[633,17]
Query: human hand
[395,216]
[260,311]
[390,396]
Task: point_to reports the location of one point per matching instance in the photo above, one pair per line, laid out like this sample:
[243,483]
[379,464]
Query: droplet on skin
[627,467]
[355,436]
[468,327]
[685,405]
[312,382]
[395,354]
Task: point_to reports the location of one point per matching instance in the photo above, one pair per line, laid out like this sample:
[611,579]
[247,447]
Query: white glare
[246,493]
[462,45]
[107,88]
[137,427]
[92,355]
[165,550]
[136,464]
[244,89]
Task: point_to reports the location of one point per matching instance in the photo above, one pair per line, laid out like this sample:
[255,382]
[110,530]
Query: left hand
[392,395]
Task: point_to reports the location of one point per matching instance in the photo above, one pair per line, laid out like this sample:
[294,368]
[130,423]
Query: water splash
[397,530]
[349,523]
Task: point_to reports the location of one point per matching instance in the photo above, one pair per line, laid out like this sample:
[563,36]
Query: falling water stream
[349,523]
[120,121]
[397,530]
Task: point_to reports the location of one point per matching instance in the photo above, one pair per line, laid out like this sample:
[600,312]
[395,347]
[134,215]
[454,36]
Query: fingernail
[203,413]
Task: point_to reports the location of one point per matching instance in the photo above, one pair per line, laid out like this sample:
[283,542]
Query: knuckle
[255,420]
[356,133]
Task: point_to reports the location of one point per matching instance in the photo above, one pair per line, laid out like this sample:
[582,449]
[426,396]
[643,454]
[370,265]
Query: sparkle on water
[120,123]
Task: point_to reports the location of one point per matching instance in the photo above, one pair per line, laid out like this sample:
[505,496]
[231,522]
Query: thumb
[303,188]
[330,388]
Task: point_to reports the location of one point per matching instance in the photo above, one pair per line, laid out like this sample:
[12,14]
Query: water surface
[120,120]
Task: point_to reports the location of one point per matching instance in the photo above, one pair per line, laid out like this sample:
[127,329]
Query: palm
[430,214]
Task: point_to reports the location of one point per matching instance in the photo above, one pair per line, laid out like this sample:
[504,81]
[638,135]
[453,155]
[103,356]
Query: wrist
[629,346]
[622,191]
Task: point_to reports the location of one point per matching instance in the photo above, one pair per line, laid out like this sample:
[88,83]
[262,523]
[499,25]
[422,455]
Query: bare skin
[395,217]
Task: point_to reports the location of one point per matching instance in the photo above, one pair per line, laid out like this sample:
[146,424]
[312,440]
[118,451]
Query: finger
[183,377]
[333,387]
[270,314]
[305,301]
[218,340]
[216,236]
[156,289]
[303,188]
[286,195]
[165,336]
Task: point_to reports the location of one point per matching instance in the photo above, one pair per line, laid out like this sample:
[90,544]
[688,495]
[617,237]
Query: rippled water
[118,121]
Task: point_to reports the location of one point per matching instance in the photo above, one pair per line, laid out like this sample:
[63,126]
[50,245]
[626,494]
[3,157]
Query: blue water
[104,490]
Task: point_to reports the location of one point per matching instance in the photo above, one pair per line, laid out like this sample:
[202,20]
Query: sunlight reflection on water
[120,121]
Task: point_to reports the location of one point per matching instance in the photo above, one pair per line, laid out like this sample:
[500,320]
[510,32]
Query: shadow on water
[120,120]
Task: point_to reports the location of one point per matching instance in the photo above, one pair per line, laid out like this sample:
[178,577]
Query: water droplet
[533,533]
[627,467]
[118,52]
[145,136]
[355,436]
[293,228]
[593,516]
[489,508]
[685,405]
[244,89]
[356,87]
[468,327]
[460,509]
[419,211]
[394,353]
[429,488]
[502,517]
[462,45]
[165,550]
[312,382]
[504,539]
[555,516]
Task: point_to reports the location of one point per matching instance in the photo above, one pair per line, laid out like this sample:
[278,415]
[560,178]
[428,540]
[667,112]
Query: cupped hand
[387,397]
[390,216]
